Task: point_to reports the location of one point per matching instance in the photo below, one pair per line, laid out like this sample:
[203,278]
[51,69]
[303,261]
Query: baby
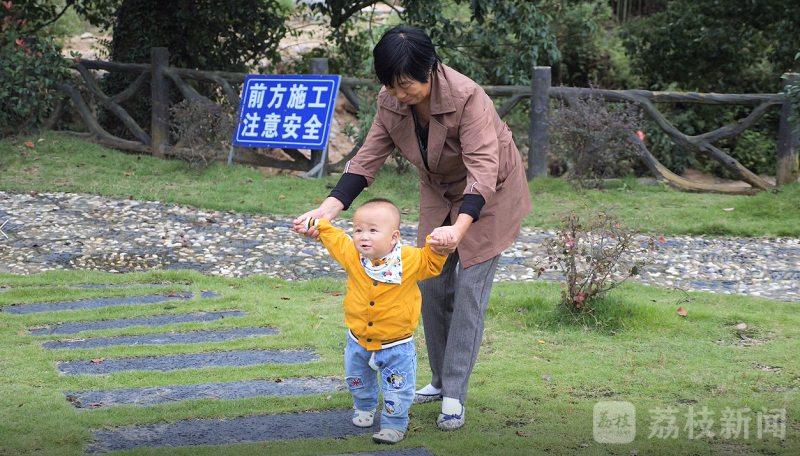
[382,310]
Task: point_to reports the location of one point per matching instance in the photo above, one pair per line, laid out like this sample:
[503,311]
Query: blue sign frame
[286,111]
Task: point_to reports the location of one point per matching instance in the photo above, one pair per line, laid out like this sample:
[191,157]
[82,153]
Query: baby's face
[375,231]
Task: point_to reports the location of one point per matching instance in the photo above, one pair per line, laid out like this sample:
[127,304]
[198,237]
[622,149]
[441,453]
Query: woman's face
[410,91]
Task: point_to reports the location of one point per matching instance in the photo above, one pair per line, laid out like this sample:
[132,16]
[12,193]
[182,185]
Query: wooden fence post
[159,84]
[788,138]
[319,65]
[539,135]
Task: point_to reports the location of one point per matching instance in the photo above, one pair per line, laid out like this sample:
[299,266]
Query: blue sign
[286,111]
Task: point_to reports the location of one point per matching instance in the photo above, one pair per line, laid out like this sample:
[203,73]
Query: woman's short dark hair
[404,52]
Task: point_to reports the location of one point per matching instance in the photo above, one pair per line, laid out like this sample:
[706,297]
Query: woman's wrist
[463,222]
[330,208]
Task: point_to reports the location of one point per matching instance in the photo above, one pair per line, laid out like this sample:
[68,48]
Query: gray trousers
[453,309]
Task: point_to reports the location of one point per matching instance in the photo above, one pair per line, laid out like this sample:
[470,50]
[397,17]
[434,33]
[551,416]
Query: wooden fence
[160,75]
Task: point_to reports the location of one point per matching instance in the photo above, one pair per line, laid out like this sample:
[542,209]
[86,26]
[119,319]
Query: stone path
[49,231]
[192,337]
[154,395]
[328,425]
[331,424]
[158,320]
[98,303]
[188,361]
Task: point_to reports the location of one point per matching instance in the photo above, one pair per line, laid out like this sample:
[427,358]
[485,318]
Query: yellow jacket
[376,312]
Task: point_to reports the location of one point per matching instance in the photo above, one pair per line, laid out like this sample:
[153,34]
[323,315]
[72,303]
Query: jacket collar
[441,98]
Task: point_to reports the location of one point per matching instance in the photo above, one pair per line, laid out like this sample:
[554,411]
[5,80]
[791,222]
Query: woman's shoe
[364,418]
[450,422]
[425,398]
[389,436]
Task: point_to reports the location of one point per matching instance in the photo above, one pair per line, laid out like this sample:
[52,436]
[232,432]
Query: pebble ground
[51,231]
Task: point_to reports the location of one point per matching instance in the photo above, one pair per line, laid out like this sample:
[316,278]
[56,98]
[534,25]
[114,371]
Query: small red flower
[8,5]
[640,134]
[19,42]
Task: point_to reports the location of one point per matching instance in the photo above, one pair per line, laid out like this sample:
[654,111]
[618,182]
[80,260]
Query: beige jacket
[470,150]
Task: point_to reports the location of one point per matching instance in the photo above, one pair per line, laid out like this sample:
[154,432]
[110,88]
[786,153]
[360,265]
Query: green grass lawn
[534,390]
[58,163]
[539,379]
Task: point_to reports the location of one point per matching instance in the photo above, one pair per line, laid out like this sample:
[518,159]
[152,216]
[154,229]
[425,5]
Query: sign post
[287,111]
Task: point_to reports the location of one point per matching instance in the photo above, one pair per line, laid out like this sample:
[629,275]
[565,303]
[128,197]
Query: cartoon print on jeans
[391,404]
[395,378]
[354,382]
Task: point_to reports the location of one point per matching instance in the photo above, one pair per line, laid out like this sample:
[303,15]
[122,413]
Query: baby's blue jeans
[391,370]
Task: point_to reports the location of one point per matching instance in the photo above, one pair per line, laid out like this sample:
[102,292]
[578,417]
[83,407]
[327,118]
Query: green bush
[756,151]
[31,67]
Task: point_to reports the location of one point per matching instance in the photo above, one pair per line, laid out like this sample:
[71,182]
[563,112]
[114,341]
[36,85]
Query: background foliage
[725,46]
[223,35]
[31,67]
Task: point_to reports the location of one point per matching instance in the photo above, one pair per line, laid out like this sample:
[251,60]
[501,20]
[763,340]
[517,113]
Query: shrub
[591,138]
[203,130]
[595,254]
[31,67]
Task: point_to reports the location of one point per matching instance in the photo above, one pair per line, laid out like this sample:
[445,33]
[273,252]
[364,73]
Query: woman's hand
[328,210]
[445,239]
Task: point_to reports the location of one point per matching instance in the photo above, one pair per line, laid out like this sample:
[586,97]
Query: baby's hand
[310,222]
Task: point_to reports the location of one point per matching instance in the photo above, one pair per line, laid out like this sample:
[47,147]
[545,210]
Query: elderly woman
[472,186]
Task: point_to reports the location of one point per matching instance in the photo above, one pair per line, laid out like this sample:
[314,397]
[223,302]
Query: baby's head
[376,228]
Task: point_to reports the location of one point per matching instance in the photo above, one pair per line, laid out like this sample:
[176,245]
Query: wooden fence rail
[539,93]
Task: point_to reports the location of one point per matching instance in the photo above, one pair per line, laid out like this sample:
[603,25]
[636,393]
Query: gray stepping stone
[188,361]
[192,337]
[103,302]
[157,320]
[312,425]
[153,395]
